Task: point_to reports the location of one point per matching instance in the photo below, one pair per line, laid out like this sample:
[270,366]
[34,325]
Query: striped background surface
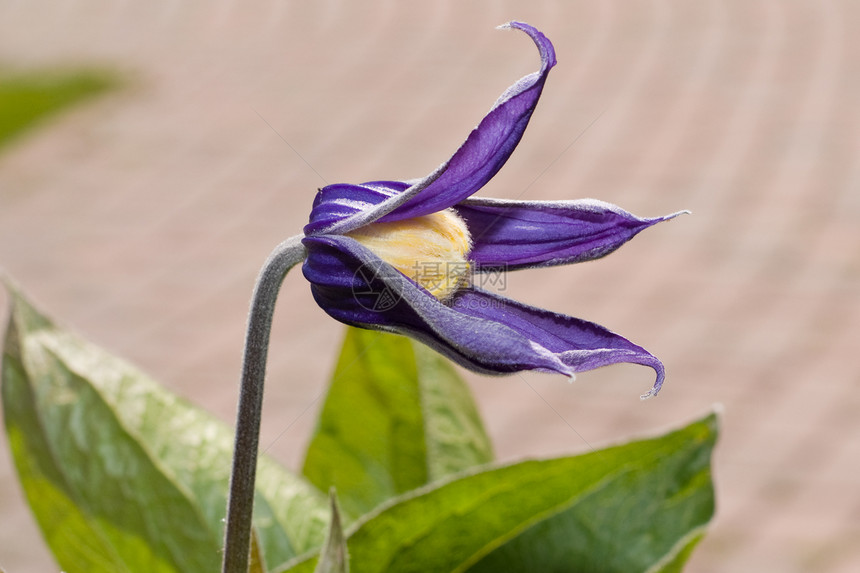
[141,219]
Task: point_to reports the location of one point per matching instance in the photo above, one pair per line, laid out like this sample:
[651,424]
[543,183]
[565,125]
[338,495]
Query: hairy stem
[237,538]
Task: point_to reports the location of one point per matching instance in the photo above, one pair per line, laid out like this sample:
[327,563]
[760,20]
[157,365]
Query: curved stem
[237,537]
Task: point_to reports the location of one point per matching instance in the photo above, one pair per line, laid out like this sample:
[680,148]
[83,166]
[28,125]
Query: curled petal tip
[517,25]
[654,389]
[650,393]
[547,52]
[658,383]
[671,216]
[513,24]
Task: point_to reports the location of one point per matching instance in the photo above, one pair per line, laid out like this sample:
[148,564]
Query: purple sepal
[579,344]
[523,234]
[354,286]
[480,157]
[482,331]
[338,202]
[490,144]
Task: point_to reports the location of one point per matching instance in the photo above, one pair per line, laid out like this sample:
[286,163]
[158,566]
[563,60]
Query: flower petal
[335,203]
[480,157]
[355,287]
[522,234]
[330,220]
[580,344]
[490,144]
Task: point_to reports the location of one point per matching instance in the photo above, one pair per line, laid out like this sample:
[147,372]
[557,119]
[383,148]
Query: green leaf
[121,474]
[397,416]
[27,98]
[256,563]
[631,508]
[334,557]
[673,562]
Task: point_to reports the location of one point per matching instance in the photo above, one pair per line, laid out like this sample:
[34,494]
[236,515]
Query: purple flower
[400,256]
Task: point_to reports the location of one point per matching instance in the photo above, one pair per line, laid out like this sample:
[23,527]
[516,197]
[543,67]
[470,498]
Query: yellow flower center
[431,250]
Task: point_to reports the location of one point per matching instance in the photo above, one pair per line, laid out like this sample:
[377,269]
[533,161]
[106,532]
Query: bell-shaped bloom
[403,256]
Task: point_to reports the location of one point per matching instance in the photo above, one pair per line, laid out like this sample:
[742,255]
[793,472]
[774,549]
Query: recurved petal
[523,234]
[355,287]
[480,157]
[490,144]
[579,344]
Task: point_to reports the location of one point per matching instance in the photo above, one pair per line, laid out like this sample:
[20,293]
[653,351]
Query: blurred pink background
[140,219]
